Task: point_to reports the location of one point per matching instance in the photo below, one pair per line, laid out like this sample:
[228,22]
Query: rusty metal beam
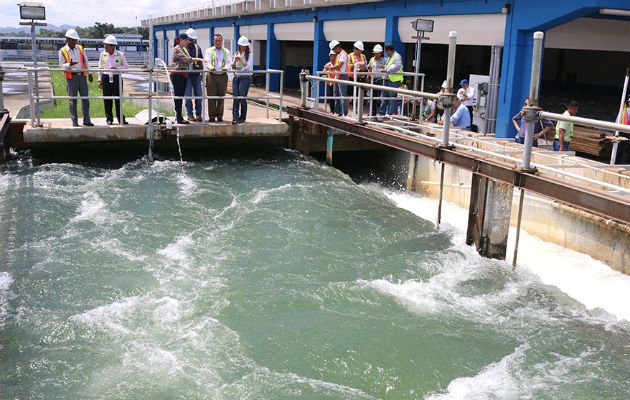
[598,202]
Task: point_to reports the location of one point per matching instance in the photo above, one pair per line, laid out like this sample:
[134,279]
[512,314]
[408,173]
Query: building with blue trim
[587,42]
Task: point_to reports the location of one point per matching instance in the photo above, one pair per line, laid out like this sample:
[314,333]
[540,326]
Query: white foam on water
[178,251]
[494,382]
[5,285]
[115,247]
[186,184]
[5,281]
[120,316]
[264,193]
[92,209]
[581,277]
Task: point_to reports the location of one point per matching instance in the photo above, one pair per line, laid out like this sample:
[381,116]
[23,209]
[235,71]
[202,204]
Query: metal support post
[411,172]
[531,112]
[518,226]
[447,99]
[120,99]
[359,105]
[31,102]
[35,66]
[329,147]
[439,217]
[304,87]
[1,89]
[417,70]
[267,76]
[150,123]
[316,96]
[281,95]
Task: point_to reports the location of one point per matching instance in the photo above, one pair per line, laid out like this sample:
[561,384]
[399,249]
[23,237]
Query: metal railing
[157,75]
[315,98]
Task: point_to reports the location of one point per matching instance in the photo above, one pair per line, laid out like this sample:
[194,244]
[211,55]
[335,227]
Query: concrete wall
[544,218]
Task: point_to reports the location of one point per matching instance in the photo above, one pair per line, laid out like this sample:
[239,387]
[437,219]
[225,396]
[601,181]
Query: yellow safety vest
[104,55]
[66,57]
[214,55]
[396,76]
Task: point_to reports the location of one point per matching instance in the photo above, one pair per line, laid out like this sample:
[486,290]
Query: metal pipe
[35,65]
[304,87]
[31,101]
[281,95]
[360,105]
[267,92]
[417,70]
[411,172]
[150,123]
[518,226]
[611,126]
[1,89]
[377,87]
[329,147]
[439,216]
[534,87]
[450,77]
[120,100]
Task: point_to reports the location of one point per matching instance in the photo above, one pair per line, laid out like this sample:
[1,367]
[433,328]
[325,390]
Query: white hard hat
[359,45]
[192,34]
[377,49]
[243,41]
[444,85]
[332,53]
[72,34]
[110,39]
[333,44]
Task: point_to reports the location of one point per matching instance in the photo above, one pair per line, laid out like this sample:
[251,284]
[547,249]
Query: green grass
[97,108]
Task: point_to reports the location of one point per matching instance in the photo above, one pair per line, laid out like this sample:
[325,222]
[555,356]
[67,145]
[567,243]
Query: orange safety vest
[354,61]
[625,118]
[66,57]
[332,76]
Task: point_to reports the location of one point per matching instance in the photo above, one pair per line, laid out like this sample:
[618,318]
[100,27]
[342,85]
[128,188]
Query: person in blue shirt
[460,117]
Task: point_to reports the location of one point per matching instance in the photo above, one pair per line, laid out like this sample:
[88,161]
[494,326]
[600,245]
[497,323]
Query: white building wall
[300,31]
[479,29]
[590,34]
[367,30]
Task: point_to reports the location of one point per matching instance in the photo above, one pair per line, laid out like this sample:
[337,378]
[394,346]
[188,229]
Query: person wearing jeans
[393,79]
[193,84]
[242,63]
[179,76]
[564,130]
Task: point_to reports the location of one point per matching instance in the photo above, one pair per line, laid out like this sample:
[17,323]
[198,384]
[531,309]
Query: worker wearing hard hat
[110,81]
[218,61]
[193,84]
[73,60]
[393,79]
[340,67]
[357,60]
[375,67]
[242,63]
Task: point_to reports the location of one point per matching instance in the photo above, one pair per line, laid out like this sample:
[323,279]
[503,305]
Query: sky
[87,12]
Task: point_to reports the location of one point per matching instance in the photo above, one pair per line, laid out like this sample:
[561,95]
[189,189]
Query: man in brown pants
[218,61]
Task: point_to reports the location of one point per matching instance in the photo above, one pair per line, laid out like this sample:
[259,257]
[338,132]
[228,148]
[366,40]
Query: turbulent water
[271,277]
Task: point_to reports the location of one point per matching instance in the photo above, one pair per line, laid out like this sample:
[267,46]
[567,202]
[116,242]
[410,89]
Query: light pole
[33,12]
[420,26]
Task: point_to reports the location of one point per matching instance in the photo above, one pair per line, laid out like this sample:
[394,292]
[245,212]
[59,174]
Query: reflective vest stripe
[66,57]
[214,54]
[104,54]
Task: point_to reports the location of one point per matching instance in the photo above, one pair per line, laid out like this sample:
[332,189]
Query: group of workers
[385,69]
[188,62]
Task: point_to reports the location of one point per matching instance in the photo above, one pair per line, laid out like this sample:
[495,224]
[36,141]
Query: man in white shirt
[467,95]
[218,61]
[109,81]
[72,59]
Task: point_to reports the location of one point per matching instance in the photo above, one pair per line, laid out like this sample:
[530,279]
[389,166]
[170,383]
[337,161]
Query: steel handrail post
[447,99]
[531,112]
[30,97]
[267,76]
[120,100]
[150,123]
[281,95]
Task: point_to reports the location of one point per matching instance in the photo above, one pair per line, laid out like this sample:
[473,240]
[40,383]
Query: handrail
[156,75]
[593,123]
[407,92]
